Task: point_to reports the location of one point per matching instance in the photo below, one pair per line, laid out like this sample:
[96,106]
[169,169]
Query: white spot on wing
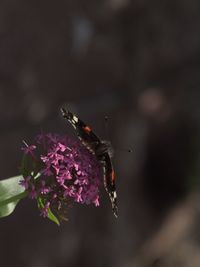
[73,125]
[75,118]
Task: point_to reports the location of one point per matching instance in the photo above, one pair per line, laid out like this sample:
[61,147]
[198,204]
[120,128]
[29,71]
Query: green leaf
[10,194]
[50,215]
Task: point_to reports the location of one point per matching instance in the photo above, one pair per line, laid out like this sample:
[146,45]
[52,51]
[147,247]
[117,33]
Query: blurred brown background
[139,63]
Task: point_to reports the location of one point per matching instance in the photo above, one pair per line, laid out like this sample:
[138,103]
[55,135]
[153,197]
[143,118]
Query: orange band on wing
[87,129]
[113,176]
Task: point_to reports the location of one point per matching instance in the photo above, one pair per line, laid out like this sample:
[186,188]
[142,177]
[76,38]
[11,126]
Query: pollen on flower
[62,171]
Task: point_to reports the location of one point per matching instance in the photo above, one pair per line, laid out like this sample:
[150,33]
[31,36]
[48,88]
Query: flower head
[60,170]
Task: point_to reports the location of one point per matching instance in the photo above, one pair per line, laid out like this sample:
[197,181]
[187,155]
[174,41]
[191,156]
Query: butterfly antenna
[124,150]
[106,127]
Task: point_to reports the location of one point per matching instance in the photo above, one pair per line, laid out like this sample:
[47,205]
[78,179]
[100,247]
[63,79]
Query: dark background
[137,62]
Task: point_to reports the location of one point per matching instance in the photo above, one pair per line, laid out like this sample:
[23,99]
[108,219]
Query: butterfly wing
[109,182]
[84,132]
[93,143]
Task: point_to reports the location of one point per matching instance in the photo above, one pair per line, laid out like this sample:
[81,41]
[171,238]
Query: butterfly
[101,149]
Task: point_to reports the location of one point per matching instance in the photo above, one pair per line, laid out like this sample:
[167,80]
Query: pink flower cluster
[67,172]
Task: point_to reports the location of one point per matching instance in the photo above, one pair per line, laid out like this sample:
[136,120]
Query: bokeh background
[138,62]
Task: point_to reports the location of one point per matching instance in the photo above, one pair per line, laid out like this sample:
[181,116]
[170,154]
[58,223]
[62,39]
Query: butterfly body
[100,148]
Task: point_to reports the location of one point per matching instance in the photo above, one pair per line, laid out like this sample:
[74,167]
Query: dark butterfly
[101,149]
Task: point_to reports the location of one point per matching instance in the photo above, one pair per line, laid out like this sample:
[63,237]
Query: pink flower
[33,192]
[44,211]
[28,149]
[25,182]
[44,189]
[68,173]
